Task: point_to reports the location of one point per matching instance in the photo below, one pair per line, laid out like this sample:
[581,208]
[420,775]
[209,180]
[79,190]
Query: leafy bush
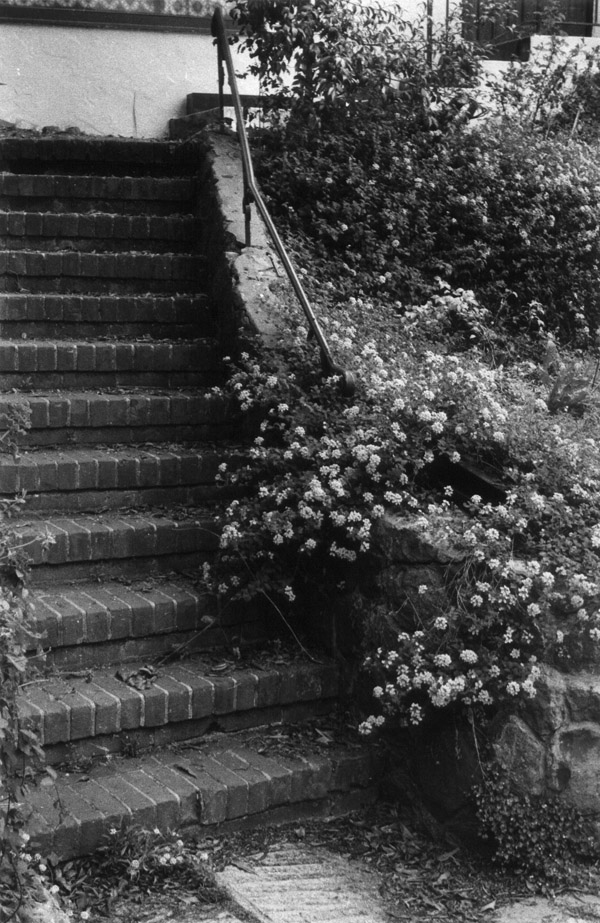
[380,162]
[544,839]
[509,214]
[320,57]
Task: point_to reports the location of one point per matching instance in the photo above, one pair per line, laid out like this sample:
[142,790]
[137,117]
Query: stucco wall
[103,81]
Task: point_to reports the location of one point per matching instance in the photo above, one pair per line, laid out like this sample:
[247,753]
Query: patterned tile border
[196,8]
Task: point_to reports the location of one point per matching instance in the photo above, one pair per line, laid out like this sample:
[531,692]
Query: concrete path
[303,884]
[295,884]
[566,908]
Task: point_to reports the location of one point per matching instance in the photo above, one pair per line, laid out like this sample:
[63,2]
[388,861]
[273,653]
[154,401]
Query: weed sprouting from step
[20,747]
[21,753]
[14,422]
[132,862]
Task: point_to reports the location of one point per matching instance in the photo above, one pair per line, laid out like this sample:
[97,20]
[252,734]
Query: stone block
[397,541]
[574,768]
[523,755]
[549,710]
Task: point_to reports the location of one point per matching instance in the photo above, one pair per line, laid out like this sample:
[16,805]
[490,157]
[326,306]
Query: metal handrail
[252,196]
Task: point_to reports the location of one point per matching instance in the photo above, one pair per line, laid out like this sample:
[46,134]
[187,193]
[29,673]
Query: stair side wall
[249,284]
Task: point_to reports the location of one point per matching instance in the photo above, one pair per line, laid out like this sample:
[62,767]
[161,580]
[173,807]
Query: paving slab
[566,908]
[296,884]
[192,916]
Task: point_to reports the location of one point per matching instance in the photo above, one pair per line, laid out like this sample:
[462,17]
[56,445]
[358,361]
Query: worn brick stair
[131,415]
[102,364]
[52,231]
[66,316]
[83,714]
[87,625]
[109,348]
[113,477]
[225,781]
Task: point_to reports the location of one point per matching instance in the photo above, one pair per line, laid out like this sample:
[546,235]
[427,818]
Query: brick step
[98,273]
[51,231]
[131,416]
[88,547]
[92,625]
[112,194]
[87,501]
[107,364]
[223,783]
[80,153]
[70,316]
[113,478]
[99,713]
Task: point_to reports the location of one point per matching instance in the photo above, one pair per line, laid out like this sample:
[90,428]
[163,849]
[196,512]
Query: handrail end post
[347,380]
[348,383]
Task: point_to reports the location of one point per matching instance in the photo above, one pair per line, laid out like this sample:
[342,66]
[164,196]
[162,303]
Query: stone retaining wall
[550,746]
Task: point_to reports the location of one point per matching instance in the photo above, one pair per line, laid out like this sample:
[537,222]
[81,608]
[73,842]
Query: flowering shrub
[449,253]
[323,471]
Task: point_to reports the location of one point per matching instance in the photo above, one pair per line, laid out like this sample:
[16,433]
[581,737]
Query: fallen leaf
[240,864]
[186,769]
[448,855]
[220,667]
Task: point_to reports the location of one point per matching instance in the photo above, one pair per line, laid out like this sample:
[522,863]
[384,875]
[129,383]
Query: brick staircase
[110,342]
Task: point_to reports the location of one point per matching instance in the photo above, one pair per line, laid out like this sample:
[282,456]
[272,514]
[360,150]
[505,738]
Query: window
[531,16]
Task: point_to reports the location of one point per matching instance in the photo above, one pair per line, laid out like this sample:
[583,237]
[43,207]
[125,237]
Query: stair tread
[90,624]
[73,183]
[97,216]
[107,300]
[128,413]
[73,620]
[90,703]
[42,456]
[121,255]
[66,468]
[33,229]
[108,308]
[62,394]
[131,519]
[87,595]
[161,405]
[87,539]
[227,778]
[113,361]
[132,342]
[103,150]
